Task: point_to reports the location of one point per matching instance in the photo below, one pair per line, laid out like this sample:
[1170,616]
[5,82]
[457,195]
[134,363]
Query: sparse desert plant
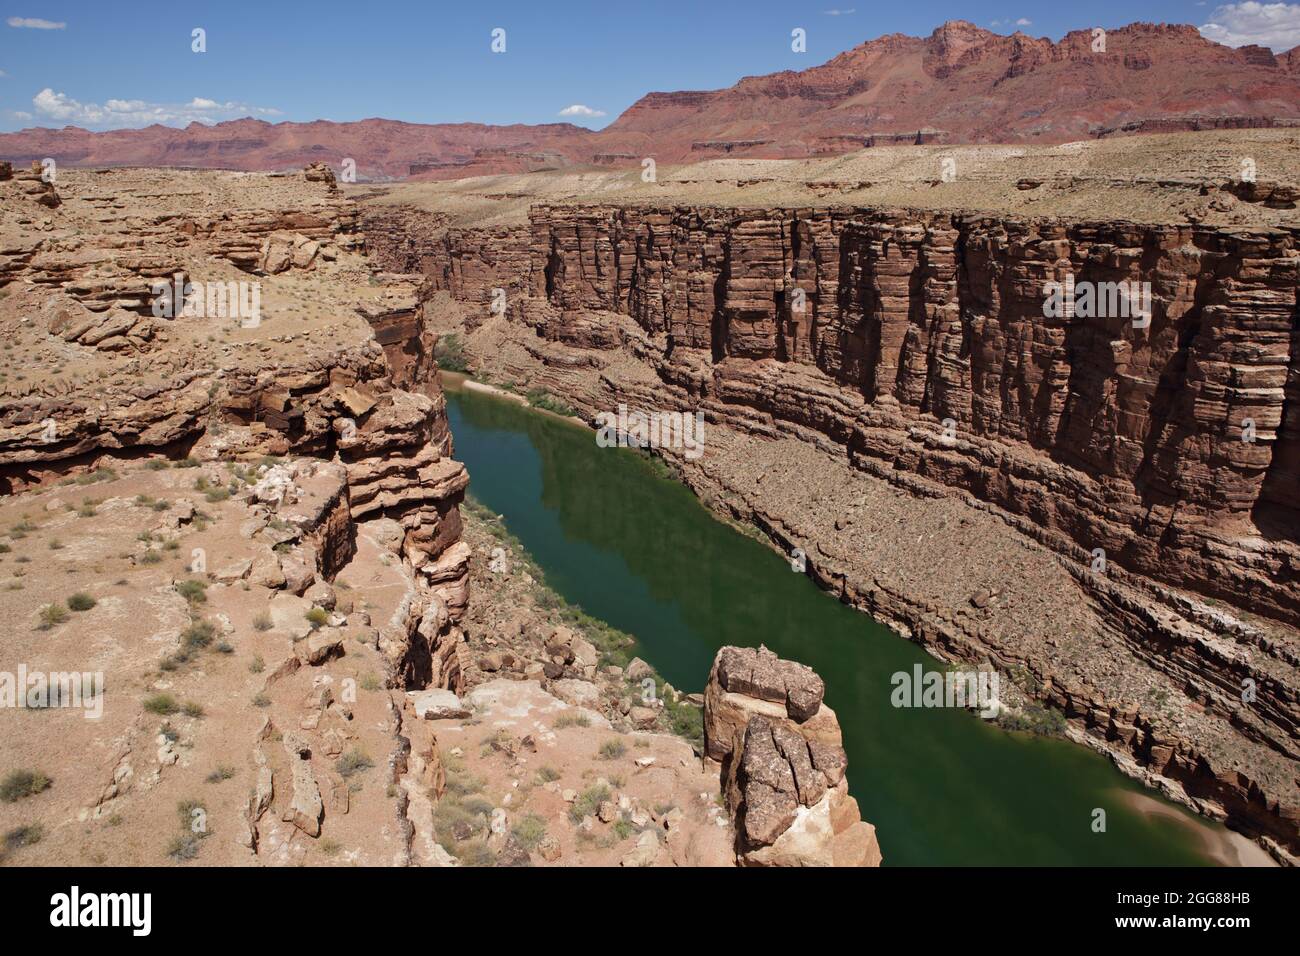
[198,634]
[570,719]
[317,617]
[163,704]
[150,557]
[529,831]
[369,681]
[588,802]
[22,783]
[353,762]
[22,836]
[547,774]
[263,622]
[612,749]
[450,353]
[193,591]
[256,665]
[223,772]
[623,828]
[81,601]
[261,700]
[193,709]
[51,615]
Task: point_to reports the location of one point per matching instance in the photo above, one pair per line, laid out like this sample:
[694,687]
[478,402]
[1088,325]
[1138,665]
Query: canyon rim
[364,480]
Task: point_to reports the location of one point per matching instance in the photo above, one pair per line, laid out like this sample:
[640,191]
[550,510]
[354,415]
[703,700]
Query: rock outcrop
[783,765]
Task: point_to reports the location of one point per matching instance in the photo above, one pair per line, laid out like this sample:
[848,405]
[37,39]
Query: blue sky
[123,64]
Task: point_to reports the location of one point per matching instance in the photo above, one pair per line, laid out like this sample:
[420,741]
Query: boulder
[783,768]
[437,704]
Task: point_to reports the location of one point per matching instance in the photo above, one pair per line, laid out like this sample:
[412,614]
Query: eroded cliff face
[109,377]
[1121,438]
[922,355]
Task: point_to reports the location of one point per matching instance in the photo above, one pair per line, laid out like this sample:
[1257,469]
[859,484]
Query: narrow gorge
[1103,508]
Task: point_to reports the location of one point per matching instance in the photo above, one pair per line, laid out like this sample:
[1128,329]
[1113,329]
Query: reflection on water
[637,550]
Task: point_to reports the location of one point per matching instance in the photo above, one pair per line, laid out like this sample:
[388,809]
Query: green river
[942,786]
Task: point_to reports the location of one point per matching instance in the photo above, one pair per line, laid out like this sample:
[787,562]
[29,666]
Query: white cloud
[1274,25]
[3,74]
[34,23]
[840,13]
[1024,22]
[19,115]
[117,114]
[577,109]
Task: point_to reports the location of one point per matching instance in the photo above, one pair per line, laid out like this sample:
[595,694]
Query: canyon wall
[922,356]
[1174,448]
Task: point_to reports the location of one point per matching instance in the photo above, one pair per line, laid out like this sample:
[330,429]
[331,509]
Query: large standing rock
[746,682]
[782,764]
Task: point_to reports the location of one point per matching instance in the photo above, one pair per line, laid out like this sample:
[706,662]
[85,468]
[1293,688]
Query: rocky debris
[782,772]
[37,184]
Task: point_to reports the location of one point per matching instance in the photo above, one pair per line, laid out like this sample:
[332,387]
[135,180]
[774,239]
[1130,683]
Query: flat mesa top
[1160,178]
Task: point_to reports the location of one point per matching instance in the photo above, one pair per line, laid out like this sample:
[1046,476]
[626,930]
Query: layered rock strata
[330,383]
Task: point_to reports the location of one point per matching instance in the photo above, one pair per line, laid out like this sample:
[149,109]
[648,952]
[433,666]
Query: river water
[942,786]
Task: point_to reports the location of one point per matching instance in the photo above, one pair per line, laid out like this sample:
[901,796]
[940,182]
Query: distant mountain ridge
[961,84]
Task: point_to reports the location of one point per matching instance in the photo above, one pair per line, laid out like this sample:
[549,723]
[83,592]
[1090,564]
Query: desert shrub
[353,762]
[52,615]
[317,617]
[529,831]
[193,591]
[588,802]
[612,749]
[198,634]
[450,353]
[263,622]
[22,783]
[163,704]
[539,398]
[22,836]
[571,719]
